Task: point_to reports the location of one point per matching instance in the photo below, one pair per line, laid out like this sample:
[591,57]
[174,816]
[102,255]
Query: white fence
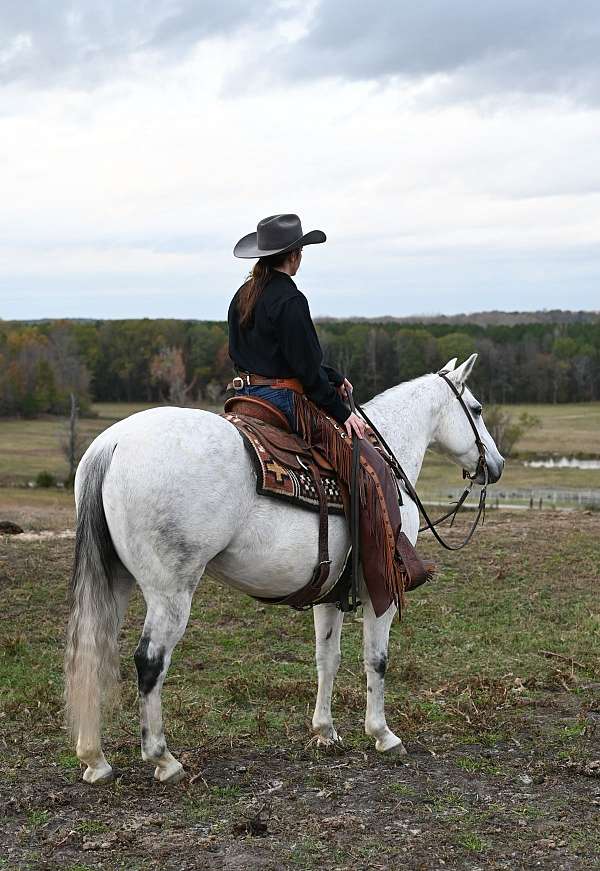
[537,498]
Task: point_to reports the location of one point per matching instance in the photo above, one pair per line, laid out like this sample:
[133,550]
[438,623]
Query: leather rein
[403,477]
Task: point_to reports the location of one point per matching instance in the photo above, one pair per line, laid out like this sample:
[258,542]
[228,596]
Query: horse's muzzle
[494,472]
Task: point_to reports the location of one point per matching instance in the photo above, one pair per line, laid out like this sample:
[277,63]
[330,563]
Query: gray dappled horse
[170,493]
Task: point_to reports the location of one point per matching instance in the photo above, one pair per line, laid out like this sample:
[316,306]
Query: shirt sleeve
[336,378]
[301,348]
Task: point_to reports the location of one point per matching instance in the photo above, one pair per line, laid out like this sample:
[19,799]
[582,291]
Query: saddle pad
[276,478]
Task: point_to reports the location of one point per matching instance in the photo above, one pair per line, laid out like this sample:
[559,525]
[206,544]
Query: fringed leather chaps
[389,561]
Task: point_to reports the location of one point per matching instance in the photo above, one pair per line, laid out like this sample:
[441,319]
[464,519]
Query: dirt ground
[510,807]
[493,683]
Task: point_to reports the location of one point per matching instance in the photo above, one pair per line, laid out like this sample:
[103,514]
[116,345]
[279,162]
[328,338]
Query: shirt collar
[277,273]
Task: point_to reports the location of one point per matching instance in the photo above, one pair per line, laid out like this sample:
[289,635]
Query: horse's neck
[406,416]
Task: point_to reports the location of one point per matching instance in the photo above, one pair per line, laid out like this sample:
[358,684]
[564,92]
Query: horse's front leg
[375,642]
[328,629]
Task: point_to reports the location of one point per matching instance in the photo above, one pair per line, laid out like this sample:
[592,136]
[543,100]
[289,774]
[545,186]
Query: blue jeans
[280,397]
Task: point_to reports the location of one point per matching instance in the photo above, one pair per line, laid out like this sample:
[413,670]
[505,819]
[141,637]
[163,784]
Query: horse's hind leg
[375,641]
[328,629]
[166,619]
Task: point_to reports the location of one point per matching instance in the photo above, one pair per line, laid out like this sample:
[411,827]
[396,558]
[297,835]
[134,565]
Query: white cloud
[516,46]
[126,199]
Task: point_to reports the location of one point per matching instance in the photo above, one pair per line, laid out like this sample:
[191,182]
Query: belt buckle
[238,382]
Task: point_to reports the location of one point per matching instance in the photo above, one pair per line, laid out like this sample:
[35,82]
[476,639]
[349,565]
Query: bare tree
[72,443]
[213,391]
[506,431]
[167,369]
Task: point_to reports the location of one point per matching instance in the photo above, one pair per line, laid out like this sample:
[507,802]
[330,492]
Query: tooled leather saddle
[288,468]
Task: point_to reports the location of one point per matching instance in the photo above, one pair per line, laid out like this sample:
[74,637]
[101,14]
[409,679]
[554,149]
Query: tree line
[43,363]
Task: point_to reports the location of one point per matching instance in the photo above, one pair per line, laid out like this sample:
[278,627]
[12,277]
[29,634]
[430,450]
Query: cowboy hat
[275,235]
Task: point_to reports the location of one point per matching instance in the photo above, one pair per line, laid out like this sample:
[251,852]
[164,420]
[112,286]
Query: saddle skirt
[282,463]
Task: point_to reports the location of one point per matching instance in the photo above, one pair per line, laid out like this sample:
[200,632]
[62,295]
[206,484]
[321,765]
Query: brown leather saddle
[267,433]
[252,406]
[286,457]
[289,448]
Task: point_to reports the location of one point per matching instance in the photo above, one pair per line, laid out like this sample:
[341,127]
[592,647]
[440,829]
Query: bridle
[481,463]
[401,475]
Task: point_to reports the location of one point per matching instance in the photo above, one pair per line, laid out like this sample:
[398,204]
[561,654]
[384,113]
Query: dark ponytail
[249,292]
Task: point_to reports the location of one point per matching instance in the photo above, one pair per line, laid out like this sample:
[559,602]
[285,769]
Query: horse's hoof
[392,745]
[174,772]
[98,776]
[324,742]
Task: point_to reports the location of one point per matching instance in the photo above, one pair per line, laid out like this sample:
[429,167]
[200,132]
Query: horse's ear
[460,375]
[449,367]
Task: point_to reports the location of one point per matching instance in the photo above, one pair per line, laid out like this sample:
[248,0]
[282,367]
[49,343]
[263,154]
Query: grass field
[29,447]
[566,429]
[493,684]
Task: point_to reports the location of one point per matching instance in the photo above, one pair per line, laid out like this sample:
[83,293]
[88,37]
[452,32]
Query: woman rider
[271,332]
[275,350]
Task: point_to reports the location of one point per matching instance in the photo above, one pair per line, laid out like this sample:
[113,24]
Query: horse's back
[166,419]
[171,447]
[169,427]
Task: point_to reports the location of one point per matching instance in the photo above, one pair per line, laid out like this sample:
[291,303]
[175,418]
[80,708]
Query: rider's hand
[345,388]
[355,424]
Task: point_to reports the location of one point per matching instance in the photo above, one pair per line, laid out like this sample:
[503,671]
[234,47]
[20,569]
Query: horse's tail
[92,657]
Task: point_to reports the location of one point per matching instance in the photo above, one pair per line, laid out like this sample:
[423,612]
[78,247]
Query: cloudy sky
[450,150]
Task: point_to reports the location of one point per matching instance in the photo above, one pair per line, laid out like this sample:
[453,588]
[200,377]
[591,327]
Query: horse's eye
[477,410]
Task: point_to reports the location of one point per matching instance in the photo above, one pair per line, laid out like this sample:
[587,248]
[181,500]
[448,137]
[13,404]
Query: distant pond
[562,463]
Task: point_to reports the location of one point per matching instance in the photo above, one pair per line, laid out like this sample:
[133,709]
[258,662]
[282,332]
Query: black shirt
[281,342]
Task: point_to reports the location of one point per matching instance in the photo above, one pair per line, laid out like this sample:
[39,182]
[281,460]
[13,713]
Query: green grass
[441,477]
[401,789]
[471,842]
[478,765]
[492,615]
[38,509]
[245,672]
[113,411]
[566,429]
[30,447]
[492,672]
[91,827]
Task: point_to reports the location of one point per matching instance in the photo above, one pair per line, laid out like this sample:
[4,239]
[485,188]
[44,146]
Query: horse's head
[454,435]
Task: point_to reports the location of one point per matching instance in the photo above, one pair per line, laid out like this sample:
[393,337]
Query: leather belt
[246,379]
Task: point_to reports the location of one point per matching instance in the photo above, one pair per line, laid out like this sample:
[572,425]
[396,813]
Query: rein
[403,477]
[351,603]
